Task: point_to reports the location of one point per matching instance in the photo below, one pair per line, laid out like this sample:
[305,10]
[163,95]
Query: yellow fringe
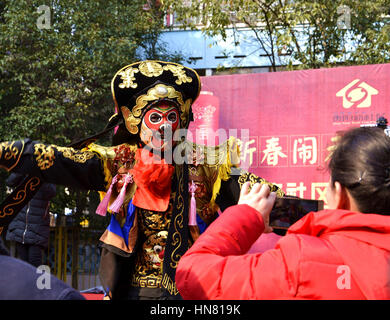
[224,170]
[102,152]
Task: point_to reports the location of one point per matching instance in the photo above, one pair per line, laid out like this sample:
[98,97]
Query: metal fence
[73,256]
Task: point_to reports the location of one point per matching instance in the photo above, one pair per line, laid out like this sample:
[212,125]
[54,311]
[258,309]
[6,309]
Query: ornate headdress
[140,85]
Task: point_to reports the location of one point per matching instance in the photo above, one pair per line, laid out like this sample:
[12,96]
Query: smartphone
[288,210]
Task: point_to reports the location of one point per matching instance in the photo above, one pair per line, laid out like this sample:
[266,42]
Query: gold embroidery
[157,92]
[150,259]
[75,155]
[179,218]
[131,120]
[151,69]
[128,78]
[10,151]
[210,156]
[246,176]
[193,171]
[20,196]
[153,226]
[169,285]
[146,282]
[179,72]
[45,156]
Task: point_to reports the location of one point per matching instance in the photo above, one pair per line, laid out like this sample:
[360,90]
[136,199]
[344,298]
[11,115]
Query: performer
[161,190]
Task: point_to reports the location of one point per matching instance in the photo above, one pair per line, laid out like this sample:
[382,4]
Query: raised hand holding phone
[259,198]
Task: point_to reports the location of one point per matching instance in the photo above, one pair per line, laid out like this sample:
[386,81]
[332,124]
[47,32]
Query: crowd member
[21,281]
[342,252]
[30,230]
[161,190]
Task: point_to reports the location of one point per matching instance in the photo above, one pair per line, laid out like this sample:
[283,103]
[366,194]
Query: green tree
[298,34]
[55,73]
[57,59]
[55,81]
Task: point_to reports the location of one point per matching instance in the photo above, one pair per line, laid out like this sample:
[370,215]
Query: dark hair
[361,163]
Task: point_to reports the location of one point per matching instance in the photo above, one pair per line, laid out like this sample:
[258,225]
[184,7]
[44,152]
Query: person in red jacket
[342,252]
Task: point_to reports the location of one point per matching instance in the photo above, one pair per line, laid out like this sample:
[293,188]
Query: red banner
[292,117]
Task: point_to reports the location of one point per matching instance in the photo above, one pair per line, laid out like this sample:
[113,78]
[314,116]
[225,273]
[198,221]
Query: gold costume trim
[148,282]
[45,156]
[9,151]
[128,78]
[246,176]
[179,218]
[75,155]
[170,285]
[151,69]
[105,154]
[222,158]
[20,196]
[154,66]
[179,72]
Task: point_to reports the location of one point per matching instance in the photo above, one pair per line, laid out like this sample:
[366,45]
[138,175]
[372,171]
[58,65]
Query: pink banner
[292,117]
[206,119]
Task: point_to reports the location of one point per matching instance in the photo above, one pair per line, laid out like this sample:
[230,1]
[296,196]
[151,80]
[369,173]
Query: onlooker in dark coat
[21,281]
[31,227]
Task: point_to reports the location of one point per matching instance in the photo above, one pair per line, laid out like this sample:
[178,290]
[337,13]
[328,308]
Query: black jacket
[31,225]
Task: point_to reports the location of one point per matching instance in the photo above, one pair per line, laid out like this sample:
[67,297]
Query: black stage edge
[204,310]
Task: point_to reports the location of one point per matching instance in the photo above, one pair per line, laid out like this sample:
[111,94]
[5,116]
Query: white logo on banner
[357,93]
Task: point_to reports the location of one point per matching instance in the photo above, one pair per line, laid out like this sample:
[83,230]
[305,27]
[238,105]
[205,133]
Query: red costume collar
[153,177]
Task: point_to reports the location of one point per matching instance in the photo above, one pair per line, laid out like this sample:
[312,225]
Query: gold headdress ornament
[142,84]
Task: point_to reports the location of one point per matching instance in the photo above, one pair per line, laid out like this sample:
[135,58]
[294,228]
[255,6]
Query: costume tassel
[116,205]
[102,208]
[192,216]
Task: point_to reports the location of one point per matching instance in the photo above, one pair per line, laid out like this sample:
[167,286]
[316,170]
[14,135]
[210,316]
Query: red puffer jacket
[331,254]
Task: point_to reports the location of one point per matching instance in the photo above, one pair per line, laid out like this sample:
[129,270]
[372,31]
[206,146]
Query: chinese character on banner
[297,191]
[273,152]
[248,151]
[305,151]
[318,192]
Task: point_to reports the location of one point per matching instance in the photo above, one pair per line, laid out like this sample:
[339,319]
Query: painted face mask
[158,126]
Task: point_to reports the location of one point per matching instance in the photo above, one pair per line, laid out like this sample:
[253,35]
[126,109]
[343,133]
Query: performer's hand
[259,198]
